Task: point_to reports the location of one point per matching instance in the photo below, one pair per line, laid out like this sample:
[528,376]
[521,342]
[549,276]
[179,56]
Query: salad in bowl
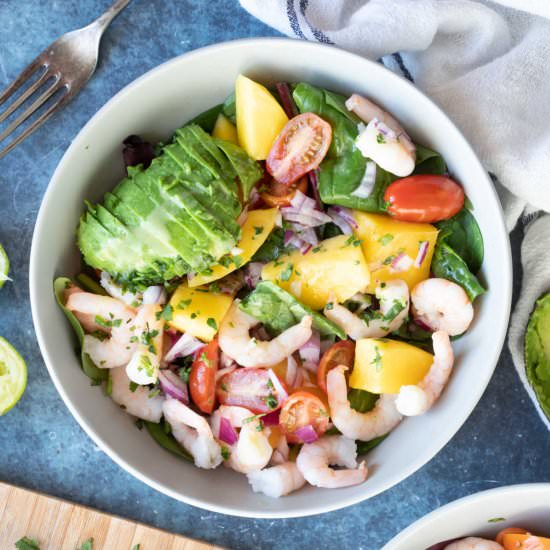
[278,286]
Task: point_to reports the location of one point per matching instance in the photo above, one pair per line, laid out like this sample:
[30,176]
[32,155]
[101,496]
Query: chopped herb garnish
[107,323]
[224,387]
[287,272]
[214,287]
[133,387]
[377,361]
[225,261]
[496,520]
[166,314]
[27,544]
[226,453]
[147,337]
[380,138]
[260,426]
[184,373]
[389,260]
[146,365]
[194,315]
[212,323]
[182,304]
[238,261]
[397,307]
[258,229]
[154,393]
[87,545]
[329,306]
[316,249]
[205,359]
[271,401]
[385,239]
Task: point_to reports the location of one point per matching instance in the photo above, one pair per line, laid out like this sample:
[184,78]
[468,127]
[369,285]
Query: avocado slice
[537,352]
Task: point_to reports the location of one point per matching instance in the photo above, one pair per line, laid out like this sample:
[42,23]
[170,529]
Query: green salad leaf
[273,247]
[229,108]
[366,446]
[361,400]
[537,352]
[278,310]
[429,162]
[207,119]
[93,372]
[166,440]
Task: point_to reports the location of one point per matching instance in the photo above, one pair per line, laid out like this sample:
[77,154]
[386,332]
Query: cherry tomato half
[425,198]
[301,409]
[341,353]
[202,380]
[280,194]
[299,148]
[250,388]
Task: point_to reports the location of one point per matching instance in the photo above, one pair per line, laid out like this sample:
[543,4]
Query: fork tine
[36,124]
[27,93]
[23,77]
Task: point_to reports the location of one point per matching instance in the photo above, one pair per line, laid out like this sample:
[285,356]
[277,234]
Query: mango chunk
[224,129]
[198,311]
[260,118]
[383,239]
[383,365]
[255,231]
[336,269]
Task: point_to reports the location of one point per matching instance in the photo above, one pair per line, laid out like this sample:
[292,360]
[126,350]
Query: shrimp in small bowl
[253,303]
[515,517]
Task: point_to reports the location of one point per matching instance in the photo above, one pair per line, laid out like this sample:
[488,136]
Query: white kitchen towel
[487,64]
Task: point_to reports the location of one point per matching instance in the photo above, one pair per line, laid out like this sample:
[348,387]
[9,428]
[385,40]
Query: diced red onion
[346,214]
[402,262]
[186,345]
[422,251]
[154,295]
[365,187]
[253,273]
[228,434]
[422,324]
[384,129]
[291,371]
[307,434]
[173,386]
[338,220]
[271,419]
[277,386]
[228,370]
[310,352]
[286,99]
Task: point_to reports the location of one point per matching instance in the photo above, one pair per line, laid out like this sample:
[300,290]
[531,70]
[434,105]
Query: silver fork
[65,65]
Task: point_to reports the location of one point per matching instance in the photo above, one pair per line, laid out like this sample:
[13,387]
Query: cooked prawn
[138,403]
[147,335]
[474,543]
[442,305]
[354,424]
[193,433]
[394,309]
[384,140]
[277,481]
[235,340]
[314,460]
[415,400]
[252,450]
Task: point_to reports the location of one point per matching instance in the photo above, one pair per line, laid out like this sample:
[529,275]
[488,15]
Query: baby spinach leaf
[166,440]
[207,119]
[429,162]
[366,446]
[273,247]
[446,263]
[229,108]
[93,372]
[462,234]
[361,400]
[278,310]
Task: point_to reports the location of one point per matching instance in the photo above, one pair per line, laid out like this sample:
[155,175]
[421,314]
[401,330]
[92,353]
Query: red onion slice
[228,434]
[402,262]
[310,352]
[338,220]
[422,251]
[186,345]
[282,395]
[307,434]
[253,273]
[173,386]
[272,418]
[313,178]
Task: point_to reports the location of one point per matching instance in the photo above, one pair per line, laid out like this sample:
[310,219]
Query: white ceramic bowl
[155,105]
[526,506]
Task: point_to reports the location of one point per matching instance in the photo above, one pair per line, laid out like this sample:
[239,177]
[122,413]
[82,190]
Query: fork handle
[103,20]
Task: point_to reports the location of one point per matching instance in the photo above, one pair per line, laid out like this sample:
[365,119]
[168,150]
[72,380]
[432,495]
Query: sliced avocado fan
[175,217]
[537,352]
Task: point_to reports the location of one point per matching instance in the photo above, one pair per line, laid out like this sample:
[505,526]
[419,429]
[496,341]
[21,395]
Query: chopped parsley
[389,259]
[27,544]
[215,288]
[154,393]
[205,359]
[271,401]
[380,138]
[226,453]
[166,314]
[385,239]
[258,229]
[87,545]
[184,373]
[133,387]
[260,426]
[351,240]
[329,306]
[107,323]
[397,307]
[496,520]
[377,361]
[211,322]
[146,365]
[182,304]
[225,261]
[147,337]
[287,272]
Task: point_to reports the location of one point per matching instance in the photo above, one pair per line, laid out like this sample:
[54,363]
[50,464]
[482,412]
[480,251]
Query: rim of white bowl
[317,507]
[503,493]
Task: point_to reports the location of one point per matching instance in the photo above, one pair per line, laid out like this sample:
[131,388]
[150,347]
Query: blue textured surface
[41,445]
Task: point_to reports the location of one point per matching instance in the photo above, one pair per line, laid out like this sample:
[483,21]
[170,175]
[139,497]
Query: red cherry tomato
[301,409]
[299,148]
[202,380]
[341,353]
[279,194]
[424,198]
[250,388]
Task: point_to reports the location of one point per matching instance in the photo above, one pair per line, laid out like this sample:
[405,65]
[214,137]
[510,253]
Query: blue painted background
[42,447]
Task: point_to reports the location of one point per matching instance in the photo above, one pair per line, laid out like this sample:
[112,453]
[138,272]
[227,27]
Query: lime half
[4,266]
[13,376]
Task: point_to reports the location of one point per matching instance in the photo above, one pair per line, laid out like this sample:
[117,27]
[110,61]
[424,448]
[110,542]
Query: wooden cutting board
[60,525]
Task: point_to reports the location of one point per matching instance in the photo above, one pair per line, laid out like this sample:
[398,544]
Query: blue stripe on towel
[317,33]
[293,19]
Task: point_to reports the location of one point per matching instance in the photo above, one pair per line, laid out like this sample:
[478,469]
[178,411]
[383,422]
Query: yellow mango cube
[383,365]
[225,129]
[255,231]
[336,269]
[383,239]
[198,311]
[260,118]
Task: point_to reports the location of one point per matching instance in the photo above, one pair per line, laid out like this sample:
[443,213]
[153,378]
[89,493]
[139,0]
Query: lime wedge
[4,266]
[13,376]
